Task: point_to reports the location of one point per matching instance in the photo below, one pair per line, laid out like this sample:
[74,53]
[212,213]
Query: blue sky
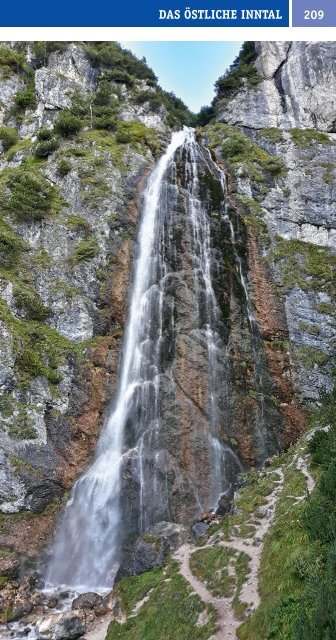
[189,69]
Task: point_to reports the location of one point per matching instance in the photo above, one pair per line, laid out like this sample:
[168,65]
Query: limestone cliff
[277,136]
[69,195]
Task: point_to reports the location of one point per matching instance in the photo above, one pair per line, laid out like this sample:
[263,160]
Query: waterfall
[165,343]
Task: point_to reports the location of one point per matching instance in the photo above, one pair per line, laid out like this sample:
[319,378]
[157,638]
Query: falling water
[87,545]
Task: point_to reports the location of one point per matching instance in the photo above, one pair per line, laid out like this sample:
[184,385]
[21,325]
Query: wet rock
[9,567]
[21,607]
[108,604]
[88,600]
[199,529]
[62,626]
[51,602]
[152,548]
[225,502]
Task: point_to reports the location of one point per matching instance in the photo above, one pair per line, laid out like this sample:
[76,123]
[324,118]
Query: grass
[277,576]
[272,134]
[211,566]
[171,612]
[308,138]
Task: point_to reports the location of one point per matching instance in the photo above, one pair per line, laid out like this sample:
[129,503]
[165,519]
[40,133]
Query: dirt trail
[227,623]
[99,629]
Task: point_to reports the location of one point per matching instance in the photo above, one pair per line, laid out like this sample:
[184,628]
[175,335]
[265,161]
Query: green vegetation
[308,138]
[27,300]
[12,60]
[120,66]
[68,124]
[325,307]
[110,55]
[309,266]
[279,584]
[75,223]
[44,148]
[136,132]
[31,196]
[85,250]
[243,155]
[25,99]
[8,136]
[298,569]
[212,567]
[171,612]
[43,49]
[63,168]
[242,73]
[38,349]
[309,356]
[11,247]
[272,134]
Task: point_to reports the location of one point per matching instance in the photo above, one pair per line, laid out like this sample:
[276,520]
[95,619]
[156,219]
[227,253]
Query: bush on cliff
[31,197]
[8,136]
[68,124]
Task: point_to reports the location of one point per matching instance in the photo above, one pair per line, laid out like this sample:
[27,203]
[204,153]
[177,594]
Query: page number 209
[313,14]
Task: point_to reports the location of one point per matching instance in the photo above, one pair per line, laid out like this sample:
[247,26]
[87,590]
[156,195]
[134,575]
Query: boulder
[199,529]
[152,548]
[88,600]
[225,502]
[61,626]
[9,567]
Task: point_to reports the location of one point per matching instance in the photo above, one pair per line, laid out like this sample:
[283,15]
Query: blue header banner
[161,13]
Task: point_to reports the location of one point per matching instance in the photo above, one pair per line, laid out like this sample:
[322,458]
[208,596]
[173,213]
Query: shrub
[68,124]
[8,136]
[25,99]
[79,224]
[63,168]
[31,362]
[44,134]
[242,71]
[29,302]
[11,247]
[152,97]
[43,49]
[103,94]
[11,60]
[308,138]
[105,118]
[112,55]
[121,77]
[45,148]
[32,197]
[85,250]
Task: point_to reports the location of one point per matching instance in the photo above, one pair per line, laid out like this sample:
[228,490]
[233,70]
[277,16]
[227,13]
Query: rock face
[297,88]
[64,288]
[289,114]
[152,548]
